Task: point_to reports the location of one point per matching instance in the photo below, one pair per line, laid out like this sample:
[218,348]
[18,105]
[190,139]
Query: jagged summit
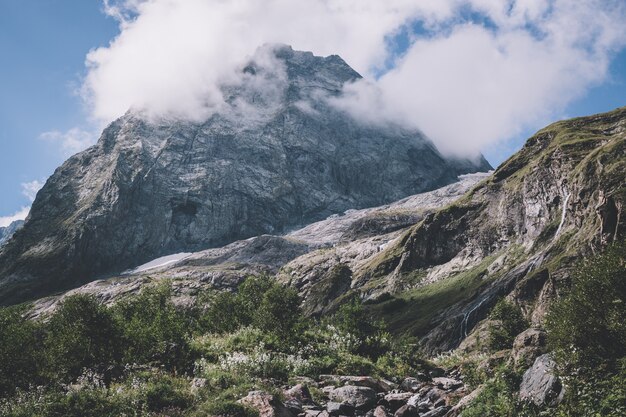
[277,155]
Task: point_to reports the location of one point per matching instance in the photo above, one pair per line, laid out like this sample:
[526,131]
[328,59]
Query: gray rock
[539,383]
[406,411]
[527,346]
[340,409]
[411,384]
[8,231]
[397,400]
[367,381]
[362,398]
[299,392]
[266,404]
[437,412]
[380,411]
[447,383]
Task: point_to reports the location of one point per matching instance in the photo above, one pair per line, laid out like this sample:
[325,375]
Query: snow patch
[159,262]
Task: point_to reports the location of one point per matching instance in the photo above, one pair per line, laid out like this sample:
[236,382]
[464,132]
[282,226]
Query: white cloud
[71,141]
[477,72]
[19,215]
[29,189]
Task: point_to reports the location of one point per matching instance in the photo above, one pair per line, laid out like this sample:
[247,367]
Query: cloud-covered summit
[467,72]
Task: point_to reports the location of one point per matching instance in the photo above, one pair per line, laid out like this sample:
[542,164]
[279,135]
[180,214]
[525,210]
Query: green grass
[413,311]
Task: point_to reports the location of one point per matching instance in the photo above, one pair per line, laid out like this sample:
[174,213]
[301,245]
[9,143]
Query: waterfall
[562,215]
[468,315]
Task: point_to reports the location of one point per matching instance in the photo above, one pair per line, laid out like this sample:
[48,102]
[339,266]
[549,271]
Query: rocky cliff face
[434,264]
[277,155]
[8,231]
[517,234]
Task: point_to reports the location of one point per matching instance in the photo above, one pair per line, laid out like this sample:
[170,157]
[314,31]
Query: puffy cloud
[19,215]
[70,141]
[468,73]
[29,189]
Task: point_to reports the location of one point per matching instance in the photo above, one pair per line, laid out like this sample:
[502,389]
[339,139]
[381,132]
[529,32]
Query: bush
[352,319]
[278,313]
[259,302]
[596,394]
[81,334]
[87,403]
[227,409]
[167,393]
[512,323]
[20,351]
[154,330]
[587,326]
[84,403]
[499,398]
[222,315]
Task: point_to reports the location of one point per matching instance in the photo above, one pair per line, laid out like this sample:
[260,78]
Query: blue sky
[43,45]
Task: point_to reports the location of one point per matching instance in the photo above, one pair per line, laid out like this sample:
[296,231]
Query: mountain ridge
[151,188]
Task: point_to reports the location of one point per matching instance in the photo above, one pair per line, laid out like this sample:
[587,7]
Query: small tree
[278,312]
[352,318]
[154,330]
[81,334]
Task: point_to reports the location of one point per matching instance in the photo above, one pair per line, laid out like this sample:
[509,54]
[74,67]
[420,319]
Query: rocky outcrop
[540,384]
[297,257]
[361,398]
[518,233]
[8,231]
[267,405]
[278,155]
[528,346]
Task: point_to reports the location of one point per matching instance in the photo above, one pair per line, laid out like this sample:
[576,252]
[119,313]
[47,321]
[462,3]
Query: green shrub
[587,326]
[84,403]
[499,398]
[87,403]
[167,393]
[352,319]
[227,409]
[20,351]
[599,393]
[259,302]
[154,330]
[278,313]
[81,334]
[512,322]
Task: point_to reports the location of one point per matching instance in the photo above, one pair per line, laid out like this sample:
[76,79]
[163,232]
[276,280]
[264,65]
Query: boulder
[299,392]
[406,411]
[380,411]
[437,412]
[367,381]
[397,400]
[362,398]
[447,384]
[527,346]
[266,404]
[339,409]
[295,406]
[411,384]
[540,385]
[464,402]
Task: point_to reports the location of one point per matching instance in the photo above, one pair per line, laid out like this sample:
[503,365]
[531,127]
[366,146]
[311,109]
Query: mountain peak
[274,156]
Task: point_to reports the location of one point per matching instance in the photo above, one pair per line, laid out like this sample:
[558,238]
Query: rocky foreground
[437,393]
